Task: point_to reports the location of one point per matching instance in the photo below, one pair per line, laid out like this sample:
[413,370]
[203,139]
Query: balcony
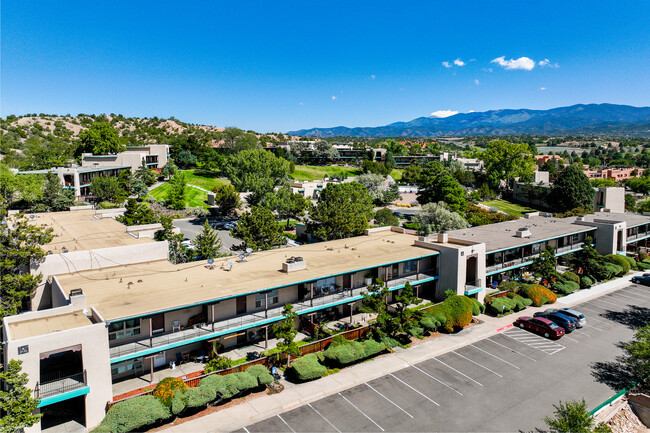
[207,330]
[516,263]
[59,385]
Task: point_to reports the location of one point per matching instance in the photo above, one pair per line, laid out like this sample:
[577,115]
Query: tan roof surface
[80,230]
[46,325]
[630,218]
[502,235]
[158,286]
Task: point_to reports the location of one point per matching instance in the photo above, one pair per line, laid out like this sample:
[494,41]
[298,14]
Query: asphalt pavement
[191,227]
[506,382]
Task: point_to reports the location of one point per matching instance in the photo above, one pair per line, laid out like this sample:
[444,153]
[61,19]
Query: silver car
[580,318]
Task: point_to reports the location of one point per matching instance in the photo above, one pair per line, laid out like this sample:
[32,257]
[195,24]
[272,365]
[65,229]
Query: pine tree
[284,330]
[176,197]
[16,402]
[208,243]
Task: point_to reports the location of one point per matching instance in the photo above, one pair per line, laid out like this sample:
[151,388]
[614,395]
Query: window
[126,366]
[127,328]
[410,266]
[325,286]
[536,248]
[260,298]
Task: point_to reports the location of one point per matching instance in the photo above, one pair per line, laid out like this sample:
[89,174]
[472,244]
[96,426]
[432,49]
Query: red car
[540,325]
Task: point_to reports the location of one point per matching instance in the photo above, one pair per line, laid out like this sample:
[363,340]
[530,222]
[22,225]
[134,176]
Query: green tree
[125,179]
[571,190]
[436,217]
[145,174]
[384,217]
[208,243]
[17,405]
[139,188]
[324,151]
[101,139]
[544,265]
[504,160]
[170,169]
[51,189]
[287,204]
[402,308]
[186,159]
[573,417]
[45,153]
[258,230]
[411,174]
[285,331]
[20,190]
[630,202]
[20,245]
[257,171]
[343,210]
[64,201]
[107,188]
[178,253]
[226,198]
[137,213]
[375,302]
[177,194]
[638,352]
[436,185]
[374,183]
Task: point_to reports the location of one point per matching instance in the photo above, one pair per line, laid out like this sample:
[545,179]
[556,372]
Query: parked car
[187,243]
[578,316]
[565,322]
[540,325]
[643,280]
[218,225]
[230,225]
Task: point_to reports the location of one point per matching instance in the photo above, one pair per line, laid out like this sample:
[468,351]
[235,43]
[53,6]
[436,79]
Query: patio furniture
[186,357]
[201,357]
[176,325]
[179,358]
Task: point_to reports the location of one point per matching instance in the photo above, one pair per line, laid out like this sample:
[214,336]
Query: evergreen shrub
[587,281]
[261,374]
[307,368]
[166,388]
[134,414]
[620,261]
[571,276]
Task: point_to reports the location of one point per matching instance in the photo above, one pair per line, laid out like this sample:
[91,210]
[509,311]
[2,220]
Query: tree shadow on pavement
[632,317]
[616,374]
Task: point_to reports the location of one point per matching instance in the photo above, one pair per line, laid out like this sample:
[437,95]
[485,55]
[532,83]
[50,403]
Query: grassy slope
[204,179]
[316,172]
[509,207]
[195,197]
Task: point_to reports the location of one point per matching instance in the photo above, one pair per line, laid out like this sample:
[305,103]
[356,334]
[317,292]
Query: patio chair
[176,325]
[201,357]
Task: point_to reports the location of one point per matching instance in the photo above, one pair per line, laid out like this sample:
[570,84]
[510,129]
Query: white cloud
[333,98]
[443,113]
[372,77]
[300,103]
[522,63]
[471,111]
[487,69]
[459,62]
[446,64]
[542,88]
[477,82]
[547,63]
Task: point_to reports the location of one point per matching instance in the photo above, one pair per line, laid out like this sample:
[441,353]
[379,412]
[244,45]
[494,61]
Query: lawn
[317,172]
[396,174]
[195,197]
[204,179]
[509,207]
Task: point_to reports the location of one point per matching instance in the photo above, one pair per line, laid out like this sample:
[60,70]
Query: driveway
[191,227]
[506,382]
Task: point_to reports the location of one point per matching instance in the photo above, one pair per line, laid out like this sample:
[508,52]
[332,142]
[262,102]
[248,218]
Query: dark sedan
[567,323]
[643,280]
[540,325]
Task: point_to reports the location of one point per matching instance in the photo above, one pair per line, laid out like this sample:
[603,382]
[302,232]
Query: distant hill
[591,119]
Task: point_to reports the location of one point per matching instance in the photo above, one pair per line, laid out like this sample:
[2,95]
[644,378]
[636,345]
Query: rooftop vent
[580,218]
[294,264]
[74,292]
[523,232]
[443,237]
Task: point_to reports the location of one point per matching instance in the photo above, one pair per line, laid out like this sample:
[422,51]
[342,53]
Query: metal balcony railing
[335,297]
[530,258]
[60,385]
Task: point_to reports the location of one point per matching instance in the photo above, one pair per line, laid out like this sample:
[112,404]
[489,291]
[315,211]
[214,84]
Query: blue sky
[279,66]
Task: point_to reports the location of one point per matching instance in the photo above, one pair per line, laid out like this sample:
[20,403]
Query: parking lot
[507,382]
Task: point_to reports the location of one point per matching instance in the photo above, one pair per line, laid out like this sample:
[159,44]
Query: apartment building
[153,156]
[617,174]
[79,178]
[125,316]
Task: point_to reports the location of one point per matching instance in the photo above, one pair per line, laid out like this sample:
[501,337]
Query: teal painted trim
[252,325]
[472,292]
[539,241]
[638,239]
[530,262]
[151,313]
[64,396]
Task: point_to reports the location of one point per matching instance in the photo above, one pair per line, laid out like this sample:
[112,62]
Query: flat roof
[631,219]
[141,289]
[80,230]
[501,236]
[47,325]
[79,169]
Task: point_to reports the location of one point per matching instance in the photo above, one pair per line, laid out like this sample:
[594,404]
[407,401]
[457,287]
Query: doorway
[65,416]
[157,323]
[241,305]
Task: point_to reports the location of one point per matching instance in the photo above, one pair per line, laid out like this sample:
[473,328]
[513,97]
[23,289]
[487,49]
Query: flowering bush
[166,389]
[540,295]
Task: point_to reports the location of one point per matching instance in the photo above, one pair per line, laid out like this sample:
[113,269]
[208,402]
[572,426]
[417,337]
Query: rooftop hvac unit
[523,232]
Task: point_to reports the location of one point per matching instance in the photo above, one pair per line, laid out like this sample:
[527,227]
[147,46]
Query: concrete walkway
[293,396]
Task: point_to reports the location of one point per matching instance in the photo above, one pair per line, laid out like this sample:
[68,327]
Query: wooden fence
[268,361]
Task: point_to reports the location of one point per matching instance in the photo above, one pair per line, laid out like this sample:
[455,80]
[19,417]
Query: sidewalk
[293,396]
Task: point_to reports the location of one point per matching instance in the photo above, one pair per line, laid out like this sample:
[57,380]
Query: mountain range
[583,119]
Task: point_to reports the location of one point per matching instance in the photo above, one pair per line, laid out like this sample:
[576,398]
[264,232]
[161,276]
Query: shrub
[642,266]
[521,302]
[477,307]
[225,388]
[218,363]
[372,347]
[586,281]
[510,286]
[178,403]
[631,261]
[459,312]
[133,414]
[501,305]
[612,269]
[388,342]
[416,332]
[567,287]
[199,396]
[307,368]
[261,374]
[432,320]
[244,381]
[620,261]
[166,389]
[570,276]
[540,295]
[341,355]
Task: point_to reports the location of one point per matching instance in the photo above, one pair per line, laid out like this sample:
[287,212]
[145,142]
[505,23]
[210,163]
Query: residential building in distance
[79,178]
[153,156]
[617,174]
[116,309]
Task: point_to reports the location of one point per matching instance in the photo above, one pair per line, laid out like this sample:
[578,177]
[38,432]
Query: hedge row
[507,304]
[452,315]
[135,414]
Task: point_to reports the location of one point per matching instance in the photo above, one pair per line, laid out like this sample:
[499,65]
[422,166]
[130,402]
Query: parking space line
[286,423]
[592,326]
[535,341]
[462,374]
[361,412]
[326,420]
[437,380]
[388,399]
[640,293]
[392,375]
[569,338]
[474,362]
[627,296]
[503,360]
[608,302]
[506,347]
[637,289]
